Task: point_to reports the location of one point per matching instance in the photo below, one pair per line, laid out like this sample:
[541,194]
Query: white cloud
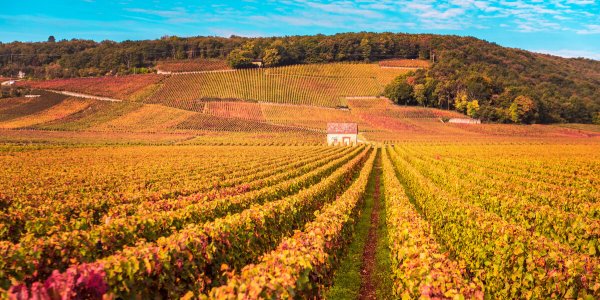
[569,53]
[160,13]
[344,8]
[581,2]
[590,29]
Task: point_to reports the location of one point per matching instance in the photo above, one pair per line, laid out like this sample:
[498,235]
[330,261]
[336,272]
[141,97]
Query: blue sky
[562,27]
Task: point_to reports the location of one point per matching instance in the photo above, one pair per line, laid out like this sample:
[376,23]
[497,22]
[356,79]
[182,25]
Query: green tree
[444,94]
[399,91]
[419,94]
[473,109]
[272,57]
[596,118]
[276,54]
[239,58]
[461,101]
[431,90]
[522,110]
[366,49]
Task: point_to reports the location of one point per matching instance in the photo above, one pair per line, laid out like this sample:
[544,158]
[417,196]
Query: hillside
[321,85]
[297,101]
[551,89]
[157,185]
[58,118]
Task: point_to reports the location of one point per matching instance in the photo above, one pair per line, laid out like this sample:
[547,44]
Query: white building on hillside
[342,134]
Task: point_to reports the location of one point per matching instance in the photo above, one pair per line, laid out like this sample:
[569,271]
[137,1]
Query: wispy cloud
[570,53]
[159,13]
[590,29]
[177,15]
[345,8]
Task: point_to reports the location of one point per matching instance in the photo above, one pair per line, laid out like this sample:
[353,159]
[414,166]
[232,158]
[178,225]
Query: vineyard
[192,65]
[213,183]
[472,220]
[120,87]
[320,85]
[218,122]
[297,100]
[405,63]
[189,200]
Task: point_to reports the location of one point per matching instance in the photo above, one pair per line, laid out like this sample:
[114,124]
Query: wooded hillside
[508,85]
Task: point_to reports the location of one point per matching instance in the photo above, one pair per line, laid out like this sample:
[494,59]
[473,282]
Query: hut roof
[341,128]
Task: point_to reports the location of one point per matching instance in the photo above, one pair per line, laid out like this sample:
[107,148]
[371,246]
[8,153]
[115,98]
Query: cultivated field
[192,65]
[320,85]
[119,87]
[219,186]
[460,218]
[405,63]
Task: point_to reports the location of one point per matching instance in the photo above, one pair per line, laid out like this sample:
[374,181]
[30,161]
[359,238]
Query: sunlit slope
[378,118]
[130,87]
[191,65]
[55,112]
[98,113]
[386,121]
[319,85]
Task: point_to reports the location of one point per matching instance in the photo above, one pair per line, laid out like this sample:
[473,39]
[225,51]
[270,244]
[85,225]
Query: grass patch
[347,279]
[385,284]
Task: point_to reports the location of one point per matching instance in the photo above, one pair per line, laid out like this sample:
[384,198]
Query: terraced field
[119,87]
[192,65]
[319,85]
[56,112]
[96,114]
[146,118]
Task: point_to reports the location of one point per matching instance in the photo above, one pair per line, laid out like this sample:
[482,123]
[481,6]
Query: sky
[569,28]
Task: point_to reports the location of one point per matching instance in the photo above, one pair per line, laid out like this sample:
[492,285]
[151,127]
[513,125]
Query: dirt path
[85,96]
[368,288]
[195,72]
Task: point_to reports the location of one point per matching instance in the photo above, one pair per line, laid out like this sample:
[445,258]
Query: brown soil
[368,289]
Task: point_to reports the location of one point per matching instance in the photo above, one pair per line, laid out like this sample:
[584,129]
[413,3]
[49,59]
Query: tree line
[504,85]
[481,79]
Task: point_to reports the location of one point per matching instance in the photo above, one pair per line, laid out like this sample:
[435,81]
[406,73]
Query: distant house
[21,75]
[257,62]
[464,121]
[342,133]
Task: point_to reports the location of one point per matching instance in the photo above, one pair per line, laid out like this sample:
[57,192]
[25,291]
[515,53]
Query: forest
[479,78]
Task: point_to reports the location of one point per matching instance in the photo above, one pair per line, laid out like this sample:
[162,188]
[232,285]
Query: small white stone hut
[342,134]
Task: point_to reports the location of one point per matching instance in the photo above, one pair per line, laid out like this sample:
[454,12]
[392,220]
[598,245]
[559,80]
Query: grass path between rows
[364,273]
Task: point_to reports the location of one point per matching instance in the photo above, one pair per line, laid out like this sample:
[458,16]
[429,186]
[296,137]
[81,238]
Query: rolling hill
[552,89]
[250,105]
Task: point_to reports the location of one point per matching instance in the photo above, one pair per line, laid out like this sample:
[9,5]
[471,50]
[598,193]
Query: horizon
[566,28]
